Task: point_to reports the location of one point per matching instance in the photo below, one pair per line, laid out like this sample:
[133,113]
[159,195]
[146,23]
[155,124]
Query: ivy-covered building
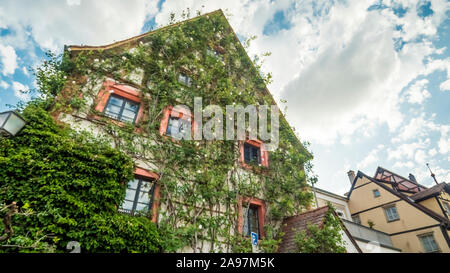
[204,195]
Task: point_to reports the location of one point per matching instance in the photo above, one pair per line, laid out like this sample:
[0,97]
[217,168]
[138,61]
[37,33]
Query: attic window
[376,193]
[252,154]
[184,79]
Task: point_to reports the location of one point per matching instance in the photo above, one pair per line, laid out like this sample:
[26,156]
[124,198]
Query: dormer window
[121,109]
[184,79]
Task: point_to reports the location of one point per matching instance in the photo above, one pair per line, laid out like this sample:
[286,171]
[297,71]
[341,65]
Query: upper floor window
[120,102]
[356,219]
[429,243]
[391,213]
[178,128]
[252,154]
[184,79]
[177,123]
[376,193]
[139,196]
[121,109]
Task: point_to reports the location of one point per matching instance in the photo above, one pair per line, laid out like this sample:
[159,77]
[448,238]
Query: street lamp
[11,123]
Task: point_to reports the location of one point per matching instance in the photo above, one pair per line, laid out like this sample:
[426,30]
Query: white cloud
[417,92]
[444,141]
[21,91]
[73,2]
[4,84]
[52,24]
[417,127]
[445,86]
[371,158]
[8,59]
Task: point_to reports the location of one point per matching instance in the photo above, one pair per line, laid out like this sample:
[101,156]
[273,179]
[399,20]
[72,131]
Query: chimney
[412,178]
[351,176]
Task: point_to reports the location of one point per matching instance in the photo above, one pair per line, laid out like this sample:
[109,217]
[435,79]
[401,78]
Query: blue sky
[367,82]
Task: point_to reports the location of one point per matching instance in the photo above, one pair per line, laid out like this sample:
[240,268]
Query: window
[376,193]
[447,207]
[252,154]
[428,243]
[177,123]
[184,79]
[391,213]
[139,196]
[251,221]
[251,216]
[340,213]
[178,128]
[356,219]
[121,109]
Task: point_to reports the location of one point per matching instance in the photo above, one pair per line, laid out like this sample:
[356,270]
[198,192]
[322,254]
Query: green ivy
[200,180]
[73,184]
[325,239]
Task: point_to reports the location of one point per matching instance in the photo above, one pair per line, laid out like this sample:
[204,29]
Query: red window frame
[259,144]
[171,112]
[261,206]
[156,193]
[111,87]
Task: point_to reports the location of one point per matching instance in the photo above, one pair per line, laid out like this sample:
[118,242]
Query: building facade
[369,240]
[415,217]
[204,195]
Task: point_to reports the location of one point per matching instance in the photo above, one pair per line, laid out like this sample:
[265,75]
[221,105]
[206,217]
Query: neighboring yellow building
[415,217]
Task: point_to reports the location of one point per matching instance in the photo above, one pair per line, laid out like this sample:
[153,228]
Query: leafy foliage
[325,239]
[73,183]
[201,181]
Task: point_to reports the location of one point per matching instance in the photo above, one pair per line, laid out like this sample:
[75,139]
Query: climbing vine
[201,181]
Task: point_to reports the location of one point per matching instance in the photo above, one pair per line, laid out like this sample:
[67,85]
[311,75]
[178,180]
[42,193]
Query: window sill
[390,221]
[101,118]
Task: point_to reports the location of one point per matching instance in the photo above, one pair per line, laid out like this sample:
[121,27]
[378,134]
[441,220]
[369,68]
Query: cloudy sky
[366,82]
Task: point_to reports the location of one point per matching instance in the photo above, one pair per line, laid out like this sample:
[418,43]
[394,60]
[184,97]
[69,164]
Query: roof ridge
[409,180]
[121,42]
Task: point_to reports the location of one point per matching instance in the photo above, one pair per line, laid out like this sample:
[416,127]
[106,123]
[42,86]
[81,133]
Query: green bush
[73,185]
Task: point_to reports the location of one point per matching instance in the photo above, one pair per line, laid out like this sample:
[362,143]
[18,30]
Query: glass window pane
[112,111]
[141,207]
[113,100]
[146,186]
[133,184]
[127,206]
[253,220]
[131,106]
[130,194]
[144,197]
[128,116]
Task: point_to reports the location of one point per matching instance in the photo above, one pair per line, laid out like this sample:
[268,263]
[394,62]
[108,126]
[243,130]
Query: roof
[399,182]
[292,225]
[431,192]
[219,12]
[405,198]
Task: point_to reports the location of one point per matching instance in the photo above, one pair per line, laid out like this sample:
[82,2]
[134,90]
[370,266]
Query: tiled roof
[294,224]
[433,191]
